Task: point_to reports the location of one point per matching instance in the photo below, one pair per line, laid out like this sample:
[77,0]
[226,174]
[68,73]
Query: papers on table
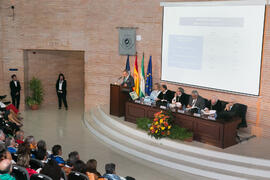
[211,112]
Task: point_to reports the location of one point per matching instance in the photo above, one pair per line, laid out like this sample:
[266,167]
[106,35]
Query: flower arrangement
[161,125]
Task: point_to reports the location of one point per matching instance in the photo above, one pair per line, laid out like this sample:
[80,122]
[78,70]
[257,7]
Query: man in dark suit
[61,90]
[128,81]
[196,101]
[15,88]
[216,104]
[180,97]
[165,96]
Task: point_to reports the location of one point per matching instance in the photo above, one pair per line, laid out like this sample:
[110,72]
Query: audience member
[41,155]
[156,90]
[5,170]
[56,154]
[92,172]
[52,170]
[2,137]
[23,161]
[72,157]
[110,172]
[11,145]
[79,166]
[31,141]
[24,148]
[19,137]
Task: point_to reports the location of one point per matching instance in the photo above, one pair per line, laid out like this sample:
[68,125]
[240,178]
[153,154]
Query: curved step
[170,154]
[188,148]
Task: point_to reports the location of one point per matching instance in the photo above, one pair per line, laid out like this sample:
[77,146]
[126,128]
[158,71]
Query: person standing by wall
[61,90]
[15,88]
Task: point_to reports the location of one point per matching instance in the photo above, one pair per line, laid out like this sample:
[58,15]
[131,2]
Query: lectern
[118,98]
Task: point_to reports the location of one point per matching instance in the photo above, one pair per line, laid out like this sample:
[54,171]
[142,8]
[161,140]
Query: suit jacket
[219,106]
[168,96]
[64,86]
[129,82]
[183,99]
[200,103]
[13,88]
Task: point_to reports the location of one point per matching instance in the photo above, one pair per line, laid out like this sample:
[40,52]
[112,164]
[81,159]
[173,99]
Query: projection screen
[214,45]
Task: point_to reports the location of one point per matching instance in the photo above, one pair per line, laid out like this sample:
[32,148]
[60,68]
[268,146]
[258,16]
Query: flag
[142,79]
[136,77]
[127,65]
[148,85]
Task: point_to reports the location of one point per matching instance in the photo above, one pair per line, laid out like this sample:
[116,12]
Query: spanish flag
[136,77]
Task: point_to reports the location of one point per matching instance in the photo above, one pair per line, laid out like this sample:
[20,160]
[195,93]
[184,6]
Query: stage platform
[247,160]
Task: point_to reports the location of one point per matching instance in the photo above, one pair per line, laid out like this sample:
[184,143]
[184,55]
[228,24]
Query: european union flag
[148,85]
[127,65]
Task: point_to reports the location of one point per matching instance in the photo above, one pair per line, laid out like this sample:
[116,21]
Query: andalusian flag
[136,77]
[142,78]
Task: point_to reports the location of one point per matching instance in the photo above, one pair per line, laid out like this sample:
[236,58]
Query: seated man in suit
[128,81]
[180,99]
[215,104]
[196,101]
[165,96]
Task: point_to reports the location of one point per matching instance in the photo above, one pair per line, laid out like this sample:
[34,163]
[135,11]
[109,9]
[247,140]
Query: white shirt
[154,94]
[194,102]
[15,82]
[60,85]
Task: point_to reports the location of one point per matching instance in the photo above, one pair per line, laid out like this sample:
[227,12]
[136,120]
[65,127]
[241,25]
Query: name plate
[197,114]
[211,118]
[181,111]
[137,101]
[148,103]
[163,107]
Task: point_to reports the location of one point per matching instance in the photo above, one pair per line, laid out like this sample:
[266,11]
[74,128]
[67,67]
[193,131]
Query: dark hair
[56,149]
[52,170]
[61,74]
[8,141]
[72,157]
[41,144]
[164,86]
[24,148]
[23,160]
[29,139]
[3,151]
[79,166]
[110,168]
[41,154]
[13,75]
[181,90]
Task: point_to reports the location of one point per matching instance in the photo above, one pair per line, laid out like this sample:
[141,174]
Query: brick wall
[90,26]
[47,65]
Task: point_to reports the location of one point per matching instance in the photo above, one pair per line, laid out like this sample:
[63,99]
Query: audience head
[3,152]
[157,86]
[41,154]
[179,91]
[5,166]
[14,77]
[23,160]
[41,144]
[57,150]
[10,142]
[24,148]
[31,141]
[2,135]
[194,94]
[52,170]
[73,157]
[110,168]
[91,165]
[61,77]
[19,135]
[163,88]
[79,166]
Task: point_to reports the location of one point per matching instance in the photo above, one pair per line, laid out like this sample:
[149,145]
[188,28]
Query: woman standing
[61,90]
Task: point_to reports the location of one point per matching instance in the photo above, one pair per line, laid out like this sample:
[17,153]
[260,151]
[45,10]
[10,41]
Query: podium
[118,98]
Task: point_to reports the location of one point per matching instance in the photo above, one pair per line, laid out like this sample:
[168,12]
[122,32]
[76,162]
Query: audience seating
[35,164]
[77,176]
[63,175]
[14,156]
[20,173]
[40,177]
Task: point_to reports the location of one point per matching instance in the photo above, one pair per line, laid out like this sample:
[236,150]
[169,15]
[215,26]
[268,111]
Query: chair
[35,164]
[63,174]
[20,173]
[77,176]
[40,177]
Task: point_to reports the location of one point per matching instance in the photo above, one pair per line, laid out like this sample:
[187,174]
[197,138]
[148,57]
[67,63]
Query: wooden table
[218,132]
